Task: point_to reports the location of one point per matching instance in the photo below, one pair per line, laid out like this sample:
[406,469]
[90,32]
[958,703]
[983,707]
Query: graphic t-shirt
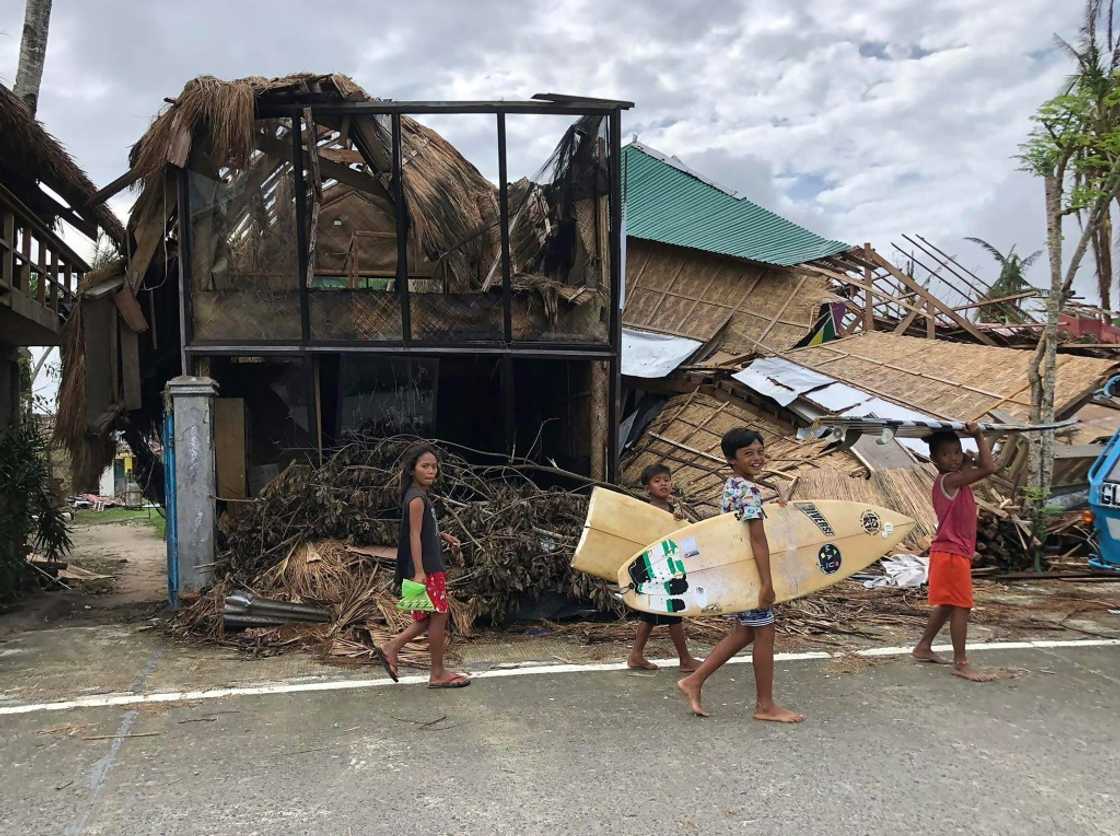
[743,497]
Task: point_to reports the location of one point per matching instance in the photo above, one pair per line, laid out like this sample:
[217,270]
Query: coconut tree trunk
[33,52]
[1102,252]
[1042,371]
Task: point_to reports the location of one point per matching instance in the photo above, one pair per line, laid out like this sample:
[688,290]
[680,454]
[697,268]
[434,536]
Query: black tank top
[431,554]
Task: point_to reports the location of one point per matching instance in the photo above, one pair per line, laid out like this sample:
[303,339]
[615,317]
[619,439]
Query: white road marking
[109,700]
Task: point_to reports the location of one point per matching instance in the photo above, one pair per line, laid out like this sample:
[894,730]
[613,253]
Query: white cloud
[863,120]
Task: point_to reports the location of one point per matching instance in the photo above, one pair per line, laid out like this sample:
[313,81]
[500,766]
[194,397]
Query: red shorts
[436,584]
[950,580]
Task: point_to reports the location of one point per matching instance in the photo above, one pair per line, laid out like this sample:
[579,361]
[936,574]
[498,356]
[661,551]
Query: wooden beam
[931,323]
[355,179]
[869,298]
[905,324]
[118,185]
[41,284]
[909,282]
[311,133]
[983,303]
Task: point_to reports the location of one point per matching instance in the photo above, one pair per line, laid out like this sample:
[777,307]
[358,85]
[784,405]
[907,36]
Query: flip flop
[389,669]
[457,682]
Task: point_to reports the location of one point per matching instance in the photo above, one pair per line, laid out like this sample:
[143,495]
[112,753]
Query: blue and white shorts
[753,618]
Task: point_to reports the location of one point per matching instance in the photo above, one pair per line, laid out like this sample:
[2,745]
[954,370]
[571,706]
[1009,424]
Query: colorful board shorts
[950,580]
[753,618]
[436,584]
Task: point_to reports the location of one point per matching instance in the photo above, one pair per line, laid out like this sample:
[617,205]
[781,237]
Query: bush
[29,518]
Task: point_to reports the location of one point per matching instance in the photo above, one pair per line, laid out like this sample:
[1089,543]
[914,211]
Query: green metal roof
[667,202]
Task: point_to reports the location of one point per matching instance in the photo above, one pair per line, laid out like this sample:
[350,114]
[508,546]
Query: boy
[950,553]
[658,482]
[744,452]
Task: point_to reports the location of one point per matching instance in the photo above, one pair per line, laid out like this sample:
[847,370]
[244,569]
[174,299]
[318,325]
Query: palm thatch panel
[738,306]
[950,380]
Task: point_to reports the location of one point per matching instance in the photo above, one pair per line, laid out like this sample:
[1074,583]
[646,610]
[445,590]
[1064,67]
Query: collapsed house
[735,316]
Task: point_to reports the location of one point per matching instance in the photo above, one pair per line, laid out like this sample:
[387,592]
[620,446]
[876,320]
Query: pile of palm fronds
[306,539]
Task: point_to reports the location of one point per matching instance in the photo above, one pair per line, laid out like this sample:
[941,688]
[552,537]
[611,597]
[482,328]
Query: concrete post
[192,399]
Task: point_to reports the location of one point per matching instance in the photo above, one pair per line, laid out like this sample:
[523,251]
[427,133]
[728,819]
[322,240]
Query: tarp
[649,355]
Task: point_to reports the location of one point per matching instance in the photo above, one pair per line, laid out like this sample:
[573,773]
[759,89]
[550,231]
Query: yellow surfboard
[708,569]
[618,525]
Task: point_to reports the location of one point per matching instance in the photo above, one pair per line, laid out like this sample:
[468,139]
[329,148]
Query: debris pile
[1004,538]
[311,538]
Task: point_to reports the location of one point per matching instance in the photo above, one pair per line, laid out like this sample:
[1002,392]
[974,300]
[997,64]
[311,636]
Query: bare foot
[690,664]
[691,692]
[928,656]
[640,664]
[776,714]
[966,671]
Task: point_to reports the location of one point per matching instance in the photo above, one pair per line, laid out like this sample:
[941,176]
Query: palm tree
[32,52]
[1012,280]
[1098,75]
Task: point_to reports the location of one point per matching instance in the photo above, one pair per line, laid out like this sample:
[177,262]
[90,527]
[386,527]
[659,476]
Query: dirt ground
[131,552]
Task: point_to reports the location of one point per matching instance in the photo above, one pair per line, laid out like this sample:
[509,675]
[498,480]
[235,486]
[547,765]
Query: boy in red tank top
[954,544]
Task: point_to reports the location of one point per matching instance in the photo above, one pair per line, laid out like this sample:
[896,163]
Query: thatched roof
[958,381]
[29,155]
[453,209]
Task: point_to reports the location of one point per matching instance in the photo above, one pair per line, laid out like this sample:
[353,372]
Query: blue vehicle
[1104,501]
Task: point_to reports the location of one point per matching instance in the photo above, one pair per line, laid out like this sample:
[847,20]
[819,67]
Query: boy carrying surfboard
[658,482]
[954,544]
[744,451]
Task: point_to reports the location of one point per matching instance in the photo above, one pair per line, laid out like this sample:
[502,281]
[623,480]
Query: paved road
[892,748]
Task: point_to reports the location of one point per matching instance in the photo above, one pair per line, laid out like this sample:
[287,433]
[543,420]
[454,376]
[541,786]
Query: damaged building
[335,266]
[40,188]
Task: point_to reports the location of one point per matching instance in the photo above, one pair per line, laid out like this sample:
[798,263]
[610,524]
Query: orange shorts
[950,580]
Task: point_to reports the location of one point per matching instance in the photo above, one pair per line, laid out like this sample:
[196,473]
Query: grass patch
[128,516]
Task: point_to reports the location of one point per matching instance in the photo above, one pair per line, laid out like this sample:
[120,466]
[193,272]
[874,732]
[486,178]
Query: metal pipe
[401,231]
[171,528]
[186,323]
[503,216]
[615,320]
[301,229]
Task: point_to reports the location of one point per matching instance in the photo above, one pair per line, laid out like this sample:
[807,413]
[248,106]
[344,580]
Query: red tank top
[956,520]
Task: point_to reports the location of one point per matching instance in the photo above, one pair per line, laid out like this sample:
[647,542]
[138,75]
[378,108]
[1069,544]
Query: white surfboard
[708,569]
[618,525]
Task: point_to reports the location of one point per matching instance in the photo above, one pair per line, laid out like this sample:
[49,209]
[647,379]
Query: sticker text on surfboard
[812,512]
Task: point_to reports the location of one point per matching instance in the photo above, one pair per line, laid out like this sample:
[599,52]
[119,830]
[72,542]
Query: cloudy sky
[861,120]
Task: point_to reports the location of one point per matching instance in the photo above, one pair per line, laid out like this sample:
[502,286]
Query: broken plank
[130,368]
[129,309]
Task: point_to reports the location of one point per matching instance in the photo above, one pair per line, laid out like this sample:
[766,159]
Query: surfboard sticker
[676,586]
[829,559]
[813,513]
[870,522]
[689,547]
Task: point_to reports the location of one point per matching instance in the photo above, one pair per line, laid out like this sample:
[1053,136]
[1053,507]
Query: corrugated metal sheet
[667,202]
[652,356]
